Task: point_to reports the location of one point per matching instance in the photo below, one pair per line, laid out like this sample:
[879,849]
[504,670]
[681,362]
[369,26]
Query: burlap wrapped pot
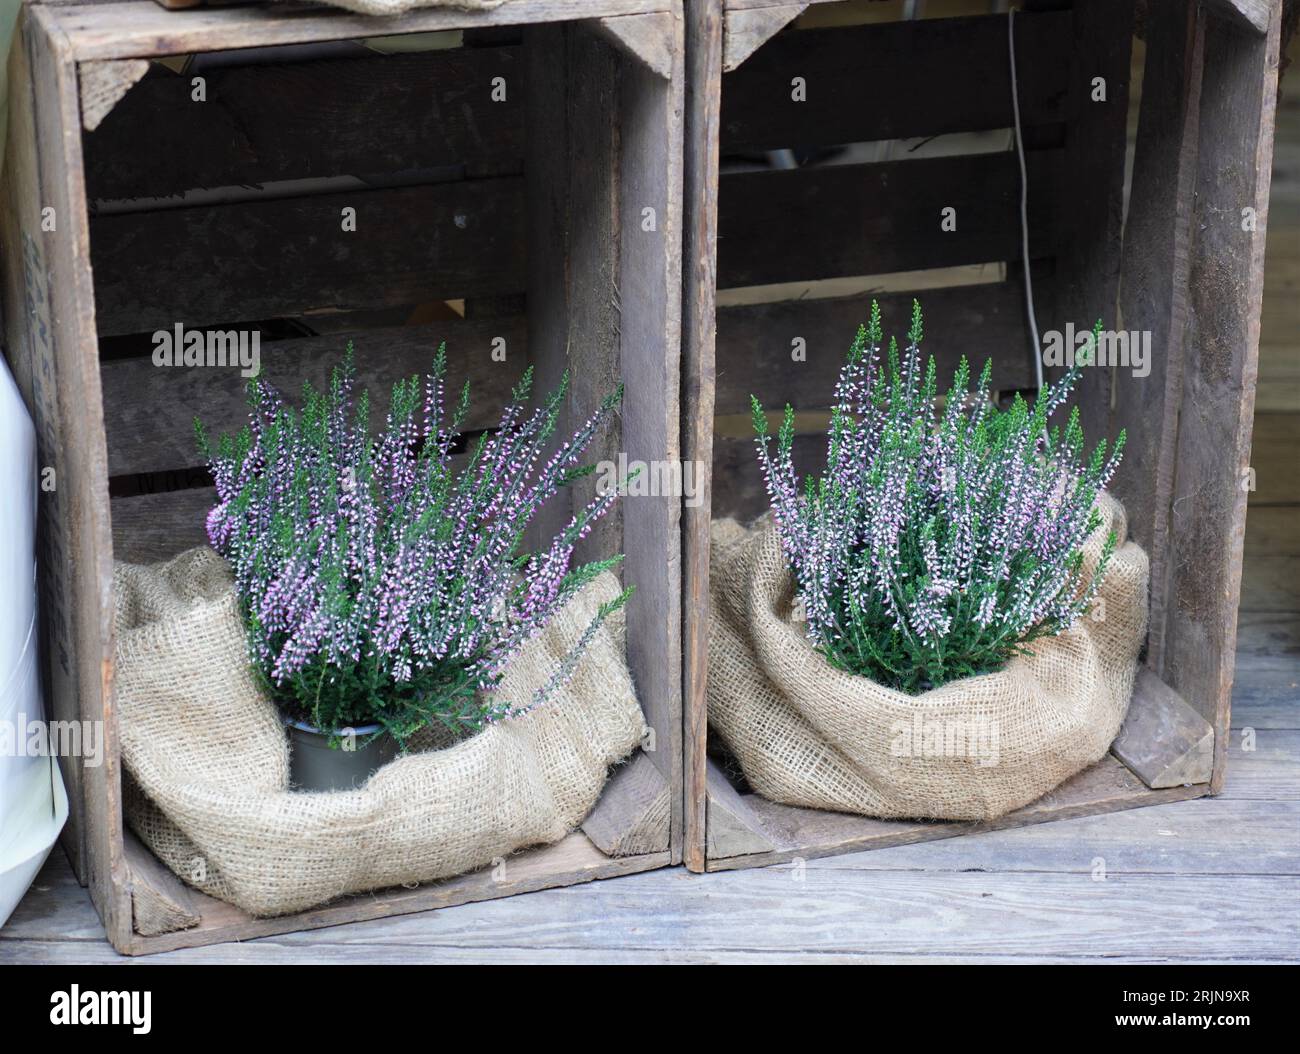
[206,757]
[810,735]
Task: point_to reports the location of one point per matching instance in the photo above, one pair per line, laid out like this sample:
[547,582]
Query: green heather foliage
[945,536]
[379,584]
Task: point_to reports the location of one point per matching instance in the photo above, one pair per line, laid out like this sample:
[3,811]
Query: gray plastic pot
[316,766]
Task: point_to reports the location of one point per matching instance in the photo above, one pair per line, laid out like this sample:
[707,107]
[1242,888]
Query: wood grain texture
[148,528]
[150,409]
[804,834]
[800,224]
[81,573]
[1274,442]
[103,84]
[1205,836]
[1249,14]
[569,862]
[632,815]
[140,28]
[1163,740]
[1226,285]
[1156,262]
[924,77]
[311,120]
[738,488]
[648,38]
[604,142]
[160,902]
[28,339]
[703,53]
[755,341]
[824,914]
[649,292]
[1263,764]
[745,30]
[733,828]
[268,258]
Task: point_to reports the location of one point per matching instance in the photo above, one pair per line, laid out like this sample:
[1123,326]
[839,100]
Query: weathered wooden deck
[1201,881]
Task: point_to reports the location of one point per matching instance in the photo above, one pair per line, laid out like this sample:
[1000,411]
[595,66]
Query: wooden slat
[1270,583]
[1266,681]
[28,349]
[160,902]
[1248,14]
[754,341]
[834,916]
[896,80]
[733,830]
[150,410]
[268,258]
[738,489]
[704,32]
[747,29]
[1154,286]
[103,84]
[150,528]
[845,220]
[648,295]
[1208,836]
[1272,531]
[1214,436]
[546,148]
[1263,767]
[1107,786]
[80,572]
[648,38]
[300,120]
[1276,439]
[598,82]
[1163,740]
[632,815]
[604,293]
[569,862]
[142,28]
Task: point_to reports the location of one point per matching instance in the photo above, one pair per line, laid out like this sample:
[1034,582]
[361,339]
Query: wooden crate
[548,219]
[1186,270]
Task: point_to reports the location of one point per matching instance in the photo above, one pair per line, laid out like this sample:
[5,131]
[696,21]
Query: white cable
[1024,202]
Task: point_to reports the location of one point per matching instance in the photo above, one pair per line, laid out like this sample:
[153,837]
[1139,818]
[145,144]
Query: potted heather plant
[383,591]
[939,543]
[945,624]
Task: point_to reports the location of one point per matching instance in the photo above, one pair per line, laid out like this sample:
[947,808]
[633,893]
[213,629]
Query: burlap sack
[208,761]
[808,734]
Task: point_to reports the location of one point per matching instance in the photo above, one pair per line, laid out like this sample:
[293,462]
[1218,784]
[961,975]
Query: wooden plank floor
[1206,880]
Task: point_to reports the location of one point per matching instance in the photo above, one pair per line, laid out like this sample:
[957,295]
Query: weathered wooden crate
[516,189]
[1188,269]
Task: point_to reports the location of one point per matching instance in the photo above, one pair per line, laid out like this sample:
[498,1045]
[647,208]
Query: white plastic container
[33,803]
